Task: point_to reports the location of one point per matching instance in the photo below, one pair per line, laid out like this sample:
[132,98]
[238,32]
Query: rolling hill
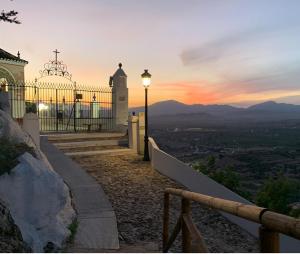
[175,113]
[172,107]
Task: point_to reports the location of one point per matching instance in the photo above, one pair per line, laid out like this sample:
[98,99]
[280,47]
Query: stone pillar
[133,132]
[32,127]
[120,100]
[141,132]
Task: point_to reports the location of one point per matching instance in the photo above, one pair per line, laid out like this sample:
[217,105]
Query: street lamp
[146,77]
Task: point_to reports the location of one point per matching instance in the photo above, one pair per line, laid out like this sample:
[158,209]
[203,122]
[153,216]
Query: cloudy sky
[198,51]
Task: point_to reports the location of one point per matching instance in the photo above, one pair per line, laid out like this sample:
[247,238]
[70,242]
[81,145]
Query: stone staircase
[90,143]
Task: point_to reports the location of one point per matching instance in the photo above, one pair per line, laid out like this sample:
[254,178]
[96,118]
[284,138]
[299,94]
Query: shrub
[31,107]
[201,167]
[9,152]
[277,194]
[226,176]
[73,229]
[211,162]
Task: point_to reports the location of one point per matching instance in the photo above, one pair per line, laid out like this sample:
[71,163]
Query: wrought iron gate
[63,107]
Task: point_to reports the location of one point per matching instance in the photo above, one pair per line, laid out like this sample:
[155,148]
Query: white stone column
[77,109]
[95,109]
[133,132]
[32,127]
[120,100]
[141,132]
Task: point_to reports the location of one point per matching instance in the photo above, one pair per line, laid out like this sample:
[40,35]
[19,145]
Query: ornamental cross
[55,67]
[56,53]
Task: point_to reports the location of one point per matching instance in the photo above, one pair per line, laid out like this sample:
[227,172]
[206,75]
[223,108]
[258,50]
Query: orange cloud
[201,92]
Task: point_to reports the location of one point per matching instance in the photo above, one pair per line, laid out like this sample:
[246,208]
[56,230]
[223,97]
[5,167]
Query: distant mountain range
[172,107]
[275,107]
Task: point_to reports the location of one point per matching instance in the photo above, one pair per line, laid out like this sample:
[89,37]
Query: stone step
[111,151]
[79,137]
[93,143]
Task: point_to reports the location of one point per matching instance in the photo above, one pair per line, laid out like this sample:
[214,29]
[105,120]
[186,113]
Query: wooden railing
[271,223]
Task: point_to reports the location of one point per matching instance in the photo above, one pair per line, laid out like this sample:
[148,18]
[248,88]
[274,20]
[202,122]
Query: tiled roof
[7,56]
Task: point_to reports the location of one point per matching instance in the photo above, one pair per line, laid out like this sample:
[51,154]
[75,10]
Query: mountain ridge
[173,107]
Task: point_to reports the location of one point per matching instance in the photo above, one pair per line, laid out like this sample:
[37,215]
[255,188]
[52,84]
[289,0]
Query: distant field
[257,150]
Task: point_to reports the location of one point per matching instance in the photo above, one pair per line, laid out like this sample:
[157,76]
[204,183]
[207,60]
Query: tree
[10,16]
[225,176]
[228,178]
[277,194]
[211,162]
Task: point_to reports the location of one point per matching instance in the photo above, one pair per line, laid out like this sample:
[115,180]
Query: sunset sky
[198,51]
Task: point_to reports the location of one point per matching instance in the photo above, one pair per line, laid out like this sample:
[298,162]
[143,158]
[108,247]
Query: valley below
[256,150]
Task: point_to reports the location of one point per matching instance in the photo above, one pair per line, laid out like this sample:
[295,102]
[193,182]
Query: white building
[12,74]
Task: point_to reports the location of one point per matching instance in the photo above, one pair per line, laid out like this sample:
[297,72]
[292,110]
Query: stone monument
[120,99]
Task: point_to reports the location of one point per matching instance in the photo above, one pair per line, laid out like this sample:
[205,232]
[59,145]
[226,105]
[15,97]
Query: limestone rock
[37,197]
[39,202]
[10,129]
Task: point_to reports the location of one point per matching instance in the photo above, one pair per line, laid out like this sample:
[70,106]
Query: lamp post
[146,77]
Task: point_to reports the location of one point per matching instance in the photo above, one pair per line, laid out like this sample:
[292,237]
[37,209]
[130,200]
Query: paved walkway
[97,228]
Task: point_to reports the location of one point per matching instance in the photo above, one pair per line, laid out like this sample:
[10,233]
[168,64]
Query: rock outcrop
[37,197]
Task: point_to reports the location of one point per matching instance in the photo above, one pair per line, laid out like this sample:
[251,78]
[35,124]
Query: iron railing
[63,107]
[271,223]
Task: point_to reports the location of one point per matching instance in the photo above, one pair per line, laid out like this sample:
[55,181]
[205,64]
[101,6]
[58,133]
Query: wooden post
[269,240]
[197,243]
[174,234]
[166,219]
[186,237]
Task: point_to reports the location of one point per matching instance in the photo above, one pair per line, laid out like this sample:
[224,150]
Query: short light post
[146,77]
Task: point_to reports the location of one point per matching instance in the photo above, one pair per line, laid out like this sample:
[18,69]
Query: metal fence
[63,107]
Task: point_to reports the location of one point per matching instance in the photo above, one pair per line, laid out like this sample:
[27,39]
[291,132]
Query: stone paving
[136,193]
[97,227]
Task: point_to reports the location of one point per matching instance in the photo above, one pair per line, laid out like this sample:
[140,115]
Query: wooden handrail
[249,212]
[271,223]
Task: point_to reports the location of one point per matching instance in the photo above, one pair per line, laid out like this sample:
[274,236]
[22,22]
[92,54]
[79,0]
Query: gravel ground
[136,193]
